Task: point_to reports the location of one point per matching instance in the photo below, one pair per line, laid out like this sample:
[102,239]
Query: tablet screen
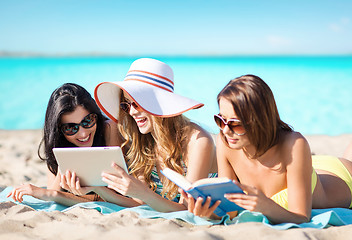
[89,162]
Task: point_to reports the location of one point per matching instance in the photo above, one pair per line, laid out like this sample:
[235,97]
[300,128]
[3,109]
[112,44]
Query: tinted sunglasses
[88,121]
[233,124]
[126,106]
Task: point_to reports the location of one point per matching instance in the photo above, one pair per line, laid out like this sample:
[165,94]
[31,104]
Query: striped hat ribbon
[151,78]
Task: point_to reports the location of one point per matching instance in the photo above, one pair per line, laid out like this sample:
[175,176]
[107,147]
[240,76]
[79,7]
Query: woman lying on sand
[271,162]
[157,135]
[72,119]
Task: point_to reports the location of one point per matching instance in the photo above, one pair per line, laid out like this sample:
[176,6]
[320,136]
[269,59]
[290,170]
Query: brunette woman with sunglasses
[269,161]
[72,119]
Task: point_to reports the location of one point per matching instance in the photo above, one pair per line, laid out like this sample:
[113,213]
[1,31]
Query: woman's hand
[70,182]
[123,183]
[197,207]
[27,189]
[255,200]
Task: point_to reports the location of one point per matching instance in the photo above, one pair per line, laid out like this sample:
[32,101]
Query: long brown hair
[65,99]
[170,135]
[255,106]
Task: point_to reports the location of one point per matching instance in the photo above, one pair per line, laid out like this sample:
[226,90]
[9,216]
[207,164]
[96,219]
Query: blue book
[216,188]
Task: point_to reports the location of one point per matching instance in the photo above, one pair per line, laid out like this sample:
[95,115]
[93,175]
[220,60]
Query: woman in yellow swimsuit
[271,162]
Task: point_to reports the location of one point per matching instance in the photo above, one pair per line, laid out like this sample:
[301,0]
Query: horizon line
[25,54]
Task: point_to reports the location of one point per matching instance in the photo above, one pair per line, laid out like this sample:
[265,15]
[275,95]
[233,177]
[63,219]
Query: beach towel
[321,218]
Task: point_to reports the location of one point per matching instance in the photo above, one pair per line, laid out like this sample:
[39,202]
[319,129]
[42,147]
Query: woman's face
[85,136]
[227,112]
[143,119]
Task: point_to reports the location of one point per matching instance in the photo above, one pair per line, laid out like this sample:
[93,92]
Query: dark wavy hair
[255,106]
[63,100]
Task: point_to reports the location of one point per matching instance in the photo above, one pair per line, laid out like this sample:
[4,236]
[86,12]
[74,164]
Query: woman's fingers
[119,177]
[10,193]
[17,193]
[250,202]
[198,206]
[191,203]
[248,189]
[63,182]
[118,171]
[72,181]
[214,206]
[75,184]
[78,186]
[116,181]
[205,209]
[26,189]
[183,193]
[68,181]
[68,177]
[112,178]
[240,197]
[20,197]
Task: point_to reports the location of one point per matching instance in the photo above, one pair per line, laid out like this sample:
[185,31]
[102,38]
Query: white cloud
[335,27]
[340,25]
[345,21]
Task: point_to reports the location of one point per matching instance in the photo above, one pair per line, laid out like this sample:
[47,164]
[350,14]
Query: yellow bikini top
[281,197]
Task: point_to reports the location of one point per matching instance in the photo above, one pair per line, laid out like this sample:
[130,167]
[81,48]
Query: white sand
[19,163]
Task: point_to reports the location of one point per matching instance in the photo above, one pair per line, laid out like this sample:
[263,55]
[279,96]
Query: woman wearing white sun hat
[156,135]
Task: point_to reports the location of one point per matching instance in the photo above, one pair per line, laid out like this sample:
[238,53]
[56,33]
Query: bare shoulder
[110,128]
[294,140]
[295,148]
[199,138]
[112,134]
[198,133]
[200,152]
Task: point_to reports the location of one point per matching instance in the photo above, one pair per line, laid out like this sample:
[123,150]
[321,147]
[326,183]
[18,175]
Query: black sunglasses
[88,121]
[126,106]
[234,125]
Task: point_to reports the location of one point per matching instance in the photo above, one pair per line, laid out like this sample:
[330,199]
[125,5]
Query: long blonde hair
[170,135]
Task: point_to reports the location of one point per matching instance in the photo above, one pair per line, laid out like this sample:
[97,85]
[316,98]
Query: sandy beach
[19,163]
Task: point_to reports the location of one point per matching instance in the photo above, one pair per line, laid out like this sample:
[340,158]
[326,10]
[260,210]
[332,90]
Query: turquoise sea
[313,94]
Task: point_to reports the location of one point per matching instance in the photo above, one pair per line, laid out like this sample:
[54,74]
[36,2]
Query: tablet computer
[89,162]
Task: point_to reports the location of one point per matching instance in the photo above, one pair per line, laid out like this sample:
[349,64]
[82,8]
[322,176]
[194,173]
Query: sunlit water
[313,94]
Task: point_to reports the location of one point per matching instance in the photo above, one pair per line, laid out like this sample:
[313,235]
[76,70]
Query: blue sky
[165,27]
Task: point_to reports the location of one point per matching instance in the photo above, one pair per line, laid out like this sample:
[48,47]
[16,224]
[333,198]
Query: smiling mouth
[84,139]
[141,121]
[232,140]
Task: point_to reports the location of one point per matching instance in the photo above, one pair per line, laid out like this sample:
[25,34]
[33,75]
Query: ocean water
[313,94]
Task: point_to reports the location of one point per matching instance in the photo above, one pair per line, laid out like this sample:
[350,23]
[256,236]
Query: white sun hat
[150,83]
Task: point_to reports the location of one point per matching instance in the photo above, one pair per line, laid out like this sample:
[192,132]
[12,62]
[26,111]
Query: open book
[213,187]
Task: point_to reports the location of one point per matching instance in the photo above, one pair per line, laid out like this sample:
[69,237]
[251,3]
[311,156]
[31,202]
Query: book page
[209,181]
[177,178]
